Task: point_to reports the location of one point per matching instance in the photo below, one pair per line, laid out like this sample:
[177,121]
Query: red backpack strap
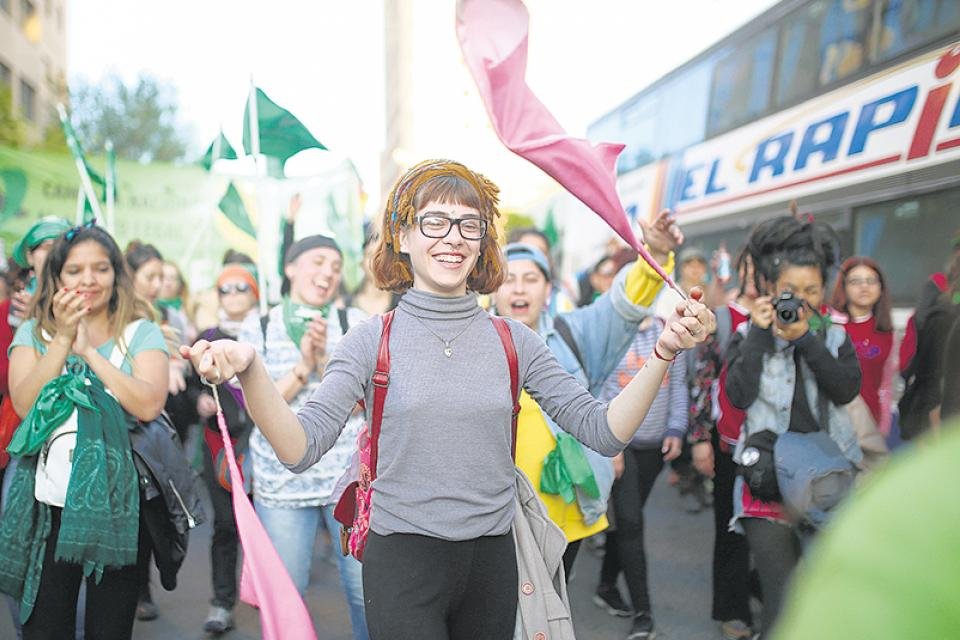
[381,379]
[503,330]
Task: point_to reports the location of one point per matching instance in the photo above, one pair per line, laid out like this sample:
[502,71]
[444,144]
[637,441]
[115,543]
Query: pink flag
[493,37]
[264,581]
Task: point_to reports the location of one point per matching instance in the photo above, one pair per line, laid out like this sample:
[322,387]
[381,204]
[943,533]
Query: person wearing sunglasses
[440,559]
[238,295]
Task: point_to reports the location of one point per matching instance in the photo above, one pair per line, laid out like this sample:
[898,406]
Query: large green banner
[175,208]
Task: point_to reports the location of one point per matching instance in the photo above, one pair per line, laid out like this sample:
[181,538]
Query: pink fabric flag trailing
[264,581]
[493,38]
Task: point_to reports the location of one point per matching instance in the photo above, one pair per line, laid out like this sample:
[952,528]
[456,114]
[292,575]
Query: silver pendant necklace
[447,344]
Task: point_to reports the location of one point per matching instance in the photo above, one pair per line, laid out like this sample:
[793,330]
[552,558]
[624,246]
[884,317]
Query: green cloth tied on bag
[566,469]
[54,404]
[100,521]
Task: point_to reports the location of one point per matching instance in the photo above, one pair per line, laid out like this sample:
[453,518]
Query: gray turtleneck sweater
[445,469]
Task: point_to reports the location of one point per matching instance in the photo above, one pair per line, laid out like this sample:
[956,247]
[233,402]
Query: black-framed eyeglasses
[236,287]
[435,225]
[72,232]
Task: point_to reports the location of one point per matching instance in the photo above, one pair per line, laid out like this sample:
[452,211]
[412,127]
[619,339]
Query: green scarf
[169,303]
[100,521]
[297,316]
[819,323]
[566,470]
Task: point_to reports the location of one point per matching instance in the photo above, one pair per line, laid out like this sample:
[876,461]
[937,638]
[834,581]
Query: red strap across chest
[381,382]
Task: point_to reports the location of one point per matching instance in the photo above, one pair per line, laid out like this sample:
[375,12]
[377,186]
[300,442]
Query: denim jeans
[293,532]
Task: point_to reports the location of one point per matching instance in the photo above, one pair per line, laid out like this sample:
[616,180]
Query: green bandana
[566,471]
[169,303]
[819,323]
[100,520]
[296,317]
[49,228]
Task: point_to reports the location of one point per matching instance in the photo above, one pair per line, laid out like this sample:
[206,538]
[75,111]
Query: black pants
[421,588]
[569,557]
[640,469]
[111,604]
[776,550]
[225,542]
[731,553]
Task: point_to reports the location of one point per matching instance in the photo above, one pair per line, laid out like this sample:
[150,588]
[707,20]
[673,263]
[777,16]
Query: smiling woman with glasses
[861,293]
[440,560]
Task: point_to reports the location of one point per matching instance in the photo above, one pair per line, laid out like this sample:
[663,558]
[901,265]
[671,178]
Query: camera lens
[788,308]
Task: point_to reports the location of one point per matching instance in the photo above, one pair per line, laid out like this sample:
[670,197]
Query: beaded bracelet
[660,357]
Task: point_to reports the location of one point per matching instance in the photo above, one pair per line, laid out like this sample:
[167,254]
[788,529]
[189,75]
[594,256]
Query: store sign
[903,119]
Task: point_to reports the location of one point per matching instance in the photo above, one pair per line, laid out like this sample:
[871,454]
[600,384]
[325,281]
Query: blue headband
[523,251]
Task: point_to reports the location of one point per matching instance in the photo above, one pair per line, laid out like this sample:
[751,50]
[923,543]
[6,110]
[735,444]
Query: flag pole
[110,186]
[261,235]
[85,182]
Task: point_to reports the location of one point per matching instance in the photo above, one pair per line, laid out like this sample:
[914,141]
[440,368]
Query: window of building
[822,43]
[888,233]
[5,75]
[27,11]
[742,83]
[906,24]
[28,100]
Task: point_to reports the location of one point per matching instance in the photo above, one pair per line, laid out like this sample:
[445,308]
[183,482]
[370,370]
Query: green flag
[219,148]
[232,207]
[280,134]
[74,144]
[550,229]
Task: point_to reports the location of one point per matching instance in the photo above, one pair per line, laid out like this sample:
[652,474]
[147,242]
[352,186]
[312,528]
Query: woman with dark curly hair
[791,370]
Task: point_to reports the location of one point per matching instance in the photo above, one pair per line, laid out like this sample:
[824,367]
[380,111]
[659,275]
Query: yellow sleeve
[643,284]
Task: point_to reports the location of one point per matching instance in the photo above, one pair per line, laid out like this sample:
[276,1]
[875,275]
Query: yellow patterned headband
[400,200]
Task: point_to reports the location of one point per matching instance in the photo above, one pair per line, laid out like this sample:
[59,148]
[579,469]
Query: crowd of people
[769,387]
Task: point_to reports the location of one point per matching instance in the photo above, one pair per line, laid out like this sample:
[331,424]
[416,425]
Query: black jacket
[169,506]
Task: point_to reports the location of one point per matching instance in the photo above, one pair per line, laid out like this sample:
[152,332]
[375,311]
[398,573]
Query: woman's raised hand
[220,360]
[69,307]
[690,324]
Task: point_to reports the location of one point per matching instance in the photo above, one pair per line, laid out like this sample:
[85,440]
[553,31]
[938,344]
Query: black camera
[788,307]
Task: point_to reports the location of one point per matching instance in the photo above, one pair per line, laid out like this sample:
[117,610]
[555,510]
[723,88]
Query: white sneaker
[219,620]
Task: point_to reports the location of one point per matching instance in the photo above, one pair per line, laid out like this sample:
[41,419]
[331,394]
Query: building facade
[33,59]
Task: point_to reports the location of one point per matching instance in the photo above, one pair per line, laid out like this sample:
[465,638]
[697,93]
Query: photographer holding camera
[790,369]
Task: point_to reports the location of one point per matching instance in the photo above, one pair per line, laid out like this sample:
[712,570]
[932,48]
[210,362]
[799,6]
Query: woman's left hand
[689,325]
[81,344]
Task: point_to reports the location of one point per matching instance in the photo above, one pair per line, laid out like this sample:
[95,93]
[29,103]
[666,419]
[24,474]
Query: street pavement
[679,546]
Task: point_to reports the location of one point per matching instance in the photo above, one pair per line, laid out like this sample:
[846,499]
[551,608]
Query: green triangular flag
[281,135]
[232,207]
[220,148]
[74,144]
[550,229]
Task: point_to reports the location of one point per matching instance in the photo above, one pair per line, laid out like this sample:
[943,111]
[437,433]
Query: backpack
[909,344]
[352,510]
